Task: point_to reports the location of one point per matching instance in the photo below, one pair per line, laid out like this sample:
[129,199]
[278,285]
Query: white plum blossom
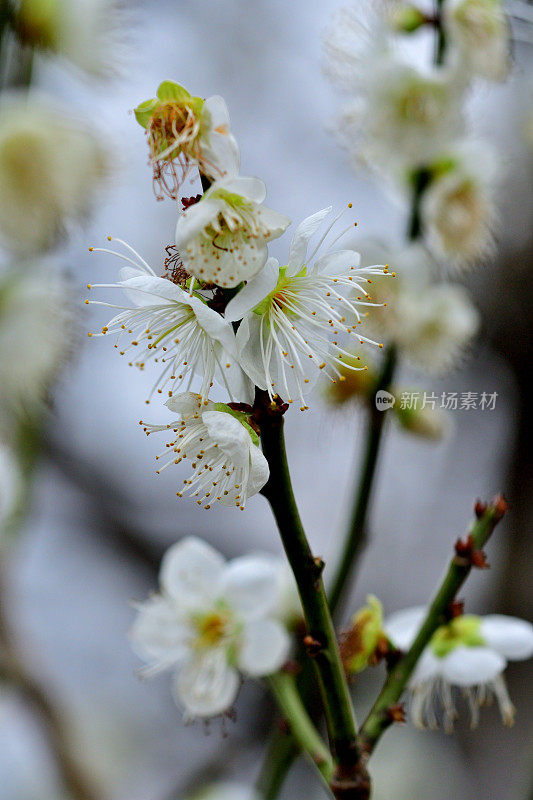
[211,621]
[294,316]
[457,209]
[174,329]
[402,116]
[84,31]
[227,464]
[185,131]
[223,238]
[35,312]
[432,323]
[479,35]
[49,169]
[469,653]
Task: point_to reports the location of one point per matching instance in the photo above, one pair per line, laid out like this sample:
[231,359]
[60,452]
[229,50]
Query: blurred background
[98,518]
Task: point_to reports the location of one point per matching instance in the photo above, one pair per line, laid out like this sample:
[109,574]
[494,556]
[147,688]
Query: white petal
[186,404]
[221,155]
[218,112]
[213,324]
[145,290]
[255,290]
[195,219]
[304,231]
[249,349]
[229,434]
[259,471]
[252,189]
[249,585]
[337,263]
[427,668]
[158,635]
[403,626]
[470,666]
[206,685]
[265,648]
[190,572]
[510,636]
[273,221]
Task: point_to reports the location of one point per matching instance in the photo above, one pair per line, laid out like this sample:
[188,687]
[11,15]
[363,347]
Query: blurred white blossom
[479,36]
[36,336]
[227,464]
[469,653]
[293,317]
[457,208]
[174,330]
[49,169]
[84,31]
[225,790]
[223,238]
[211,620]
[431,323]
[10,486]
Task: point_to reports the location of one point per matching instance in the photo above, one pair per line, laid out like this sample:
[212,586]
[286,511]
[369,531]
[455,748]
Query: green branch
[356,536]
[283,686]
[467,554]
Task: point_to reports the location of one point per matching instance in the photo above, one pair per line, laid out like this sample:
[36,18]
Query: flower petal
[403,626]
[249,585]
[158,635]
[146,290]
[186,404]
[229,434]
[195,219]
[190,572]
[253,189]
[510,636]
[259,471]
[266,646]
[249,349]
[337,263]
[427,668]
[304,231]
[255,290]
[472,666]
[206,685]
[274,222]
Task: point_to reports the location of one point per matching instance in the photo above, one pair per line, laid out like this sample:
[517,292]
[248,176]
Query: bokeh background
[99,518]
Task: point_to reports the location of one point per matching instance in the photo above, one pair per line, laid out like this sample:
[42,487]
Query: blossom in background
[223,238]
[457,210]
[294,317]
[359,642]
[185,131]
[49,169]
[34,315]
[227,464]
[211,620]
[174,329]
[431,323]
[225,790]
[469,653]
[10,487]
[84,31]
[401,116]
[479,35]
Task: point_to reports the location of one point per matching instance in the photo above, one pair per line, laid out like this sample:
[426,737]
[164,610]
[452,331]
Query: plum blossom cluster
[221,317]
[407,121]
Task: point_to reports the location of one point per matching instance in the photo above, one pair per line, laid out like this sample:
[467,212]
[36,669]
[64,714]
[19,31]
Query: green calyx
[407,18]
[242,417]
[169,94]
[463,631]
[362,638]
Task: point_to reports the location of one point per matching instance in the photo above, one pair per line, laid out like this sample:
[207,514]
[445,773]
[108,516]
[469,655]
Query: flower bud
[427,422]
[360,641]
[406,18]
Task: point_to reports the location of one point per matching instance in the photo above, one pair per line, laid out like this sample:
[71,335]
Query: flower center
[463,631]
[211,628]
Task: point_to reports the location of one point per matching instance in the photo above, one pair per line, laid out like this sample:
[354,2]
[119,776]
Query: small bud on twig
[467,555]
[313,646]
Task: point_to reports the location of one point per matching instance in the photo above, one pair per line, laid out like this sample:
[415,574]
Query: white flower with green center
[402,116]
[223,448]
[295,317]
[457,209]
[185,131]
[211,621]
[469,653]
[479,32]
[223,238]
[174,329]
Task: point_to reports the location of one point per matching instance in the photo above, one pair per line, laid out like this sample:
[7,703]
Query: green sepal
[145,111]
[463,631]
[170,90]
